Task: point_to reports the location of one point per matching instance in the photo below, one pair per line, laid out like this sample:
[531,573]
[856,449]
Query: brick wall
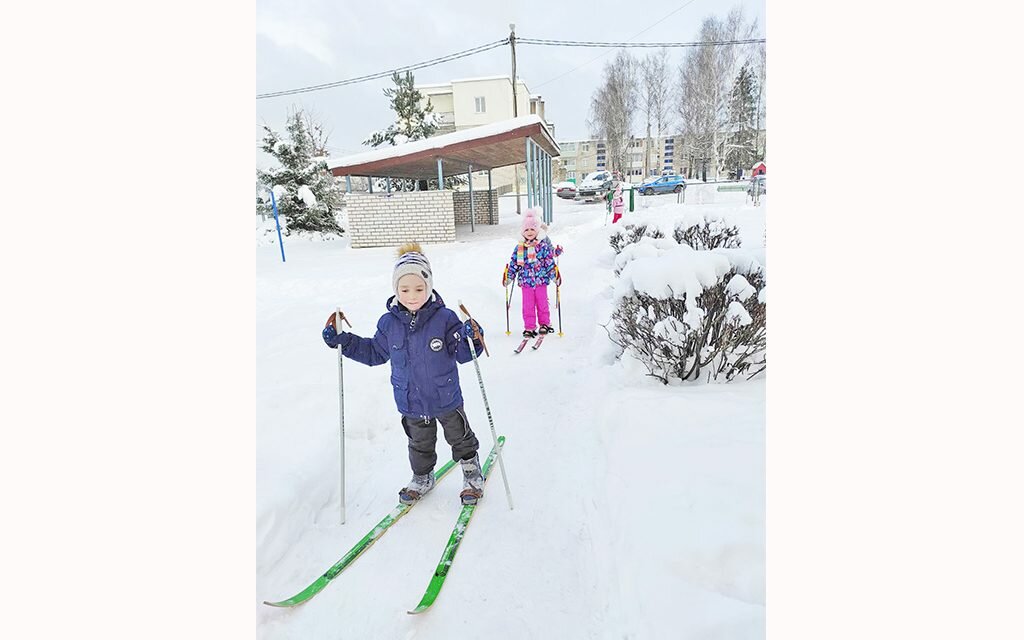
[379,220]
[480,211]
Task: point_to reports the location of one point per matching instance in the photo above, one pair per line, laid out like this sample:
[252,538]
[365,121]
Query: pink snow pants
[535,306]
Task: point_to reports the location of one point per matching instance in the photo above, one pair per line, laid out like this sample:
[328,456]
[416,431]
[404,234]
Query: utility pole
[515,102]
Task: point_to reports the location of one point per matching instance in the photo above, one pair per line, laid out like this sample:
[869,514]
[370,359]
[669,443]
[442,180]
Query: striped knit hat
[411,260]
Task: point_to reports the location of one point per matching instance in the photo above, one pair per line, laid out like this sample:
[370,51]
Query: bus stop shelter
[393,217]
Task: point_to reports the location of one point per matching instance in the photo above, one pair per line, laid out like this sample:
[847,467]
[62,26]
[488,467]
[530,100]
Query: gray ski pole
[338,317]
[487,406]
[508,303]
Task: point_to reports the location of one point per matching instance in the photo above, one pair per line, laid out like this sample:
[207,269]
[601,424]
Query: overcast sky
[308,42]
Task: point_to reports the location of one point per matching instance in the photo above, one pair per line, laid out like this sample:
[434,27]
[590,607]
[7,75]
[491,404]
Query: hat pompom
[531,220]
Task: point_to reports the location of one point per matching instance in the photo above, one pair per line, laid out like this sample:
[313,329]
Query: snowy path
[638,507]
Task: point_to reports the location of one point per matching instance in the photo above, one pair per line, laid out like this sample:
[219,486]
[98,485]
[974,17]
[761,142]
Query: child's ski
[538,342]
[434,588]
[353,553]
[522,345]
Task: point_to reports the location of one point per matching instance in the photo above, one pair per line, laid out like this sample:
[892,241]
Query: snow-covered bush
[707,232]
[691,315]
[630,234]
[696,230]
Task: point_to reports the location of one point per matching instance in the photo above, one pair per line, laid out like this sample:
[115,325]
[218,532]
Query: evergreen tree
[307,194]
[741,145]
[414,122]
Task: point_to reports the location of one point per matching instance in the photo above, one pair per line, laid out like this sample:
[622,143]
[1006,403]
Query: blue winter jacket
[423,349]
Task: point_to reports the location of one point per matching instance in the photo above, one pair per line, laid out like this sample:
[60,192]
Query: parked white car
[594,185]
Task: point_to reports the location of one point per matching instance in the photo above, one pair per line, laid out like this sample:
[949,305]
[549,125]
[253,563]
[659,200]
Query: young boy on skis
[423,339]
[533,261]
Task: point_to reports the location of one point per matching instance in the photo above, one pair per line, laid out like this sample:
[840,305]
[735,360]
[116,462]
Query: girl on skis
[423,339]
[533,262]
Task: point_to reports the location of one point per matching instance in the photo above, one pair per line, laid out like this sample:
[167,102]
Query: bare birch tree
[654,98]
[759,113]
[318,136]
[695,106]
[705,85]
[612,107]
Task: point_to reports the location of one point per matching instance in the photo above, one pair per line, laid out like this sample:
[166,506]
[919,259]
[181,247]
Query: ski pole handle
[339,317]
[476,328]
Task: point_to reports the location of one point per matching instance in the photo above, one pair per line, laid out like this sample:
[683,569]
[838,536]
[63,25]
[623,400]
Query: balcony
[445,121]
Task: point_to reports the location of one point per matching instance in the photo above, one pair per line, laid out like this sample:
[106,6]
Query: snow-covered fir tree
[414,121]
[741,147]
[307,195]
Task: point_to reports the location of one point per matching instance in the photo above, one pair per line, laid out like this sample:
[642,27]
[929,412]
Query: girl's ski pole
[558,298]
[508,302]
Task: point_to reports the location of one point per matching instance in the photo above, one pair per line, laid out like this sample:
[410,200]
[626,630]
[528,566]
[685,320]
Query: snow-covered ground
[639,508]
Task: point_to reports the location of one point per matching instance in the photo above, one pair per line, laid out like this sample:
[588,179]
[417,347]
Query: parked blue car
[664,184]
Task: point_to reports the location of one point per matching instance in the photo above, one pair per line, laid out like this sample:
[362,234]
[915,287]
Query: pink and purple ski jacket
[536,268]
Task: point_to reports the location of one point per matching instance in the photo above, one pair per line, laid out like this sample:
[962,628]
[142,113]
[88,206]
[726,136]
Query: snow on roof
[482,78]
[448,85]
[436,142]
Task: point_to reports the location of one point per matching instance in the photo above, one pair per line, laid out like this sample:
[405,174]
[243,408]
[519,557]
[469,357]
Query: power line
[385,74]
[502,42]
[598,57]
[579,43]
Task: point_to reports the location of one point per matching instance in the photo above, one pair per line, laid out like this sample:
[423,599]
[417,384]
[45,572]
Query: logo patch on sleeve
[436,344]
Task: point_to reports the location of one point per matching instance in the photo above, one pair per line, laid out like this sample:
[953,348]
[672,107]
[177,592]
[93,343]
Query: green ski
[434,588]
[361,546]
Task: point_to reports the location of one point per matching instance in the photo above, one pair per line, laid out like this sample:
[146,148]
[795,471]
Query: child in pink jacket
[618,203]
[533,263]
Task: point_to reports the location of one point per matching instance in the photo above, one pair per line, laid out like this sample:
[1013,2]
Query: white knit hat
[416,264]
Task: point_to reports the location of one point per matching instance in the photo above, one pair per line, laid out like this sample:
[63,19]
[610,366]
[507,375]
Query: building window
[669,140]
[570,175]
[585,146]
[481,105]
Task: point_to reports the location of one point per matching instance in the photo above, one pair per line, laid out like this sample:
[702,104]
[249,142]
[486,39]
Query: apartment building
[580,157]
[666,154]
[472,102]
